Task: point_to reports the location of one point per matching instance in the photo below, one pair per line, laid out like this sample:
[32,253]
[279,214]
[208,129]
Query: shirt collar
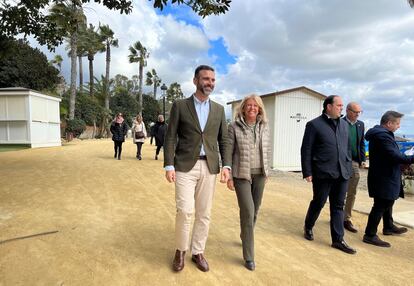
[349,121]
[197,101]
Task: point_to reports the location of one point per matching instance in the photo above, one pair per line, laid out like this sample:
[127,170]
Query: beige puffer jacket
[240,138]
[138,127]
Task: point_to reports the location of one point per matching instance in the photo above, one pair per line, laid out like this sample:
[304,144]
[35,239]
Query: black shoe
[139,157]
[115,156]
[308,233]
[394,230]
[119,157]
[349,226]
[341,245]
[375,240]
[156,157]
[250,265]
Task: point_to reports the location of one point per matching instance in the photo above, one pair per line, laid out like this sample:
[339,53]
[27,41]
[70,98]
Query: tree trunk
[108,61]
[90,58]
[72,99]
[141,70]
[80,71]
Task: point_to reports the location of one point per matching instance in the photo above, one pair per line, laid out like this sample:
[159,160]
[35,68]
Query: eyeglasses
[355,112]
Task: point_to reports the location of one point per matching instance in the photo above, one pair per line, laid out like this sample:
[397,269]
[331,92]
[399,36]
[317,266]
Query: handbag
[139,135]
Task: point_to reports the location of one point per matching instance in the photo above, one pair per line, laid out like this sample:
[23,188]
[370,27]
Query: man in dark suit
[326,162]
[356,140]
[384,177]
[197,126]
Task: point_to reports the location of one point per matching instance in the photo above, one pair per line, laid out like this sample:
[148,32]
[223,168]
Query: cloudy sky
[361,50]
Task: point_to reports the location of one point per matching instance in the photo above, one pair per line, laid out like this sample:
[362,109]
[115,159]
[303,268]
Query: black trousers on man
[335,189]
[381,209]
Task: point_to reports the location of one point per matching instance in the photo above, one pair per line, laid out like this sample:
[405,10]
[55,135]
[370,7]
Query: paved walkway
[73,215]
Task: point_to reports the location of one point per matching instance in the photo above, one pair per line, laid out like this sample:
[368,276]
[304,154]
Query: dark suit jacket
[360,140]
[384,174]
[325,152]
[184,137]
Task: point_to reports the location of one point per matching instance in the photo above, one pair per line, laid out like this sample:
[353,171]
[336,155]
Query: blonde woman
[250,145]
[139,133]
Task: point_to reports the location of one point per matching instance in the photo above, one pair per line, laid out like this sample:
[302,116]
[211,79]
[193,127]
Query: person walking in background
[160,128]
[139,133]
[196,128]
[119,129]
[384,177]
[326,162]
[152,134]
[357,142]
[250,146]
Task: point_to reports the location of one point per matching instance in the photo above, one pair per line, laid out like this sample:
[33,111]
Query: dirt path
[115,226]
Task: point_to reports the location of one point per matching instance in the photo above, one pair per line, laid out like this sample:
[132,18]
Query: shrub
[75,126]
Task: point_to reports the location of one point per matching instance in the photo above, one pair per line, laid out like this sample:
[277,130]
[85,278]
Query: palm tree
[174,92]
[81,50]
[93,46]
[68,16]
[57,60]
[107,36]
[139,55]
[153,79]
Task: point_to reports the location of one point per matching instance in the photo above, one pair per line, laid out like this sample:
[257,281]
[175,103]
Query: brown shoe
[394,230]
[375,240]
[178,263]
[349,226]
[200,261]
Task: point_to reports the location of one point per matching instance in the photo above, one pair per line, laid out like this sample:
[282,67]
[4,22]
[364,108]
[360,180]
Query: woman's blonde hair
[262,112]
[138,118]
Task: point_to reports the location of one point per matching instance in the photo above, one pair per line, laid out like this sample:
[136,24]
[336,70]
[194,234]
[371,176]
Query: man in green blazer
[196,133]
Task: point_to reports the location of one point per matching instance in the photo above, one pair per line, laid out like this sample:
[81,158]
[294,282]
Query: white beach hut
[29,117]
[288,111]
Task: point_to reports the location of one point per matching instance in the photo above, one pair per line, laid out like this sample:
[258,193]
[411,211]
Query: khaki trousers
[352,190]
[193,189]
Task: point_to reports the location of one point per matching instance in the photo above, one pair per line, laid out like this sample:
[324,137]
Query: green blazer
[184,137]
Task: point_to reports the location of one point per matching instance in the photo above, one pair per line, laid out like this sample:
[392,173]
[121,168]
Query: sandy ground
[115,226]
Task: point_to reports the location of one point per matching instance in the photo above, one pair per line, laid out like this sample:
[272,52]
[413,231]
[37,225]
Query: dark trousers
[381,209]
[152,137]
[335,189]
[249,198]
[139,148]
[158,149]
[118,148]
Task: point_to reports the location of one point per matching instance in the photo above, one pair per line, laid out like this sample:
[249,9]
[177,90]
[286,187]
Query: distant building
[288,112]
[29,117]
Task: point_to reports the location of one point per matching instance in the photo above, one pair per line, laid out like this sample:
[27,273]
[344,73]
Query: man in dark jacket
[384,177]
[160,128]
[326,162]
[356,140]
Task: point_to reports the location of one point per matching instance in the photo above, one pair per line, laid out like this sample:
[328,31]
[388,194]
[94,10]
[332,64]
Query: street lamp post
[164,89]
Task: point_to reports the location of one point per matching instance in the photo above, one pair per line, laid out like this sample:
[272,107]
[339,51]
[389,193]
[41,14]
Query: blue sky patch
[221,58]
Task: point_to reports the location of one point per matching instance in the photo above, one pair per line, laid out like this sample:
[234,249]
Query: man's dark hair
[200,68]
[390,116]
[328,100]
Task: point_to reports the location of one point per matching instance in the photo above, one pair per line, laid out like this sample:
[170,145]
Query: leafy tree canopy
[151,109]
[24,66]
[123,102]
[30,18]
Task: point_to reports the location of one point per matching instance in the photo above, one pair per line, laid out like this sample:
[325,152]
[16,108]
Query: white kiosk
[29,117]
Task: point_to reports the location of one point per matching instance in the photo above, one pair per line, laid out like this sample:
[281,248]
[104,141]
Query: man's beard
[206,90]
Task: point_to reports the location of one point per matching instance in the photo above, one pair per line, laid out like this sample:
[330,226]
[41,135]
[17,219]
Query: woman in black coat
[119,129]
[160,128]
